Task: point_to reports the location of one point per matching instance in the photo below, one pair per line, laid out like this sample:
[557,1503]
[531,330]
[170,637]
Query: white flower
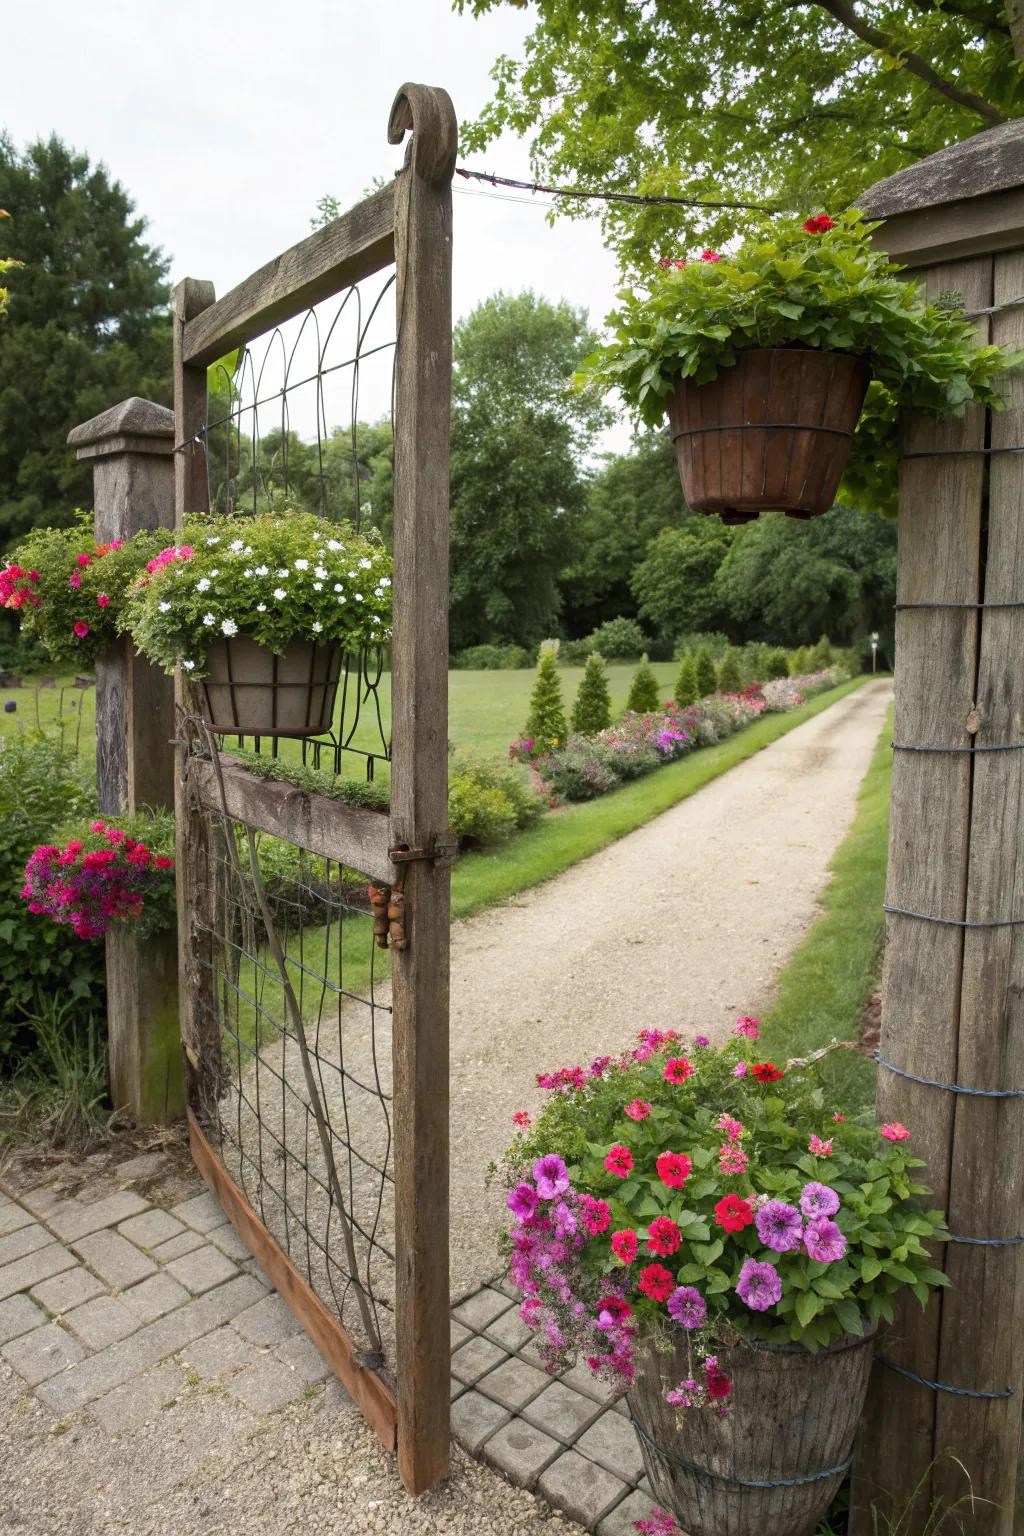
[209,619]
[338,587]
[333,544]
[301,565]
[385,581]
[280,592]
[215,572]
[318,586]
[214,540]
[263,570]
[352,575]
[236,546]
[283,571]
[229,627]
[359,597]
[164,607]
[320,573]
[365,565]
[317,627]
[341,599]
[374,619]
[248,549]
[261,607]
[316,538]
[202,585]
[189,666]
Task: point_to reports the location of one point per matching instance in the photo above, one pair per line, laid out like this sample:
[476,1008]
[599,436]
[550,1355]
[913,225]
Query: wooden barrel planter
[251,691]
[772,433]
[773,1466]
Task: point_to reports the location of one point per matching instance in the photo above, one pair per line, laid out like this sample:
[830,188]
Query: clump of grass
[58,1093]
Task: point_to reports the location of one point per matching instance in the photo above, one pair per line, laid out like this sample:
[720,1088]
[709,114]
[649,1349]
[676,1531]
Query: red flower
[637,1109]
[597,1217]
[617,1307]
[717,1382]
[765,1072]
[102,600]
[679,264]
[677,1070]
[619,1160]
[710,256]
[663,1236]
[656,1282]
[818,224]
[80,628]
[734,1213]
[520,1118]
[82,560]
[624,1245]
[666,261]
[163,862]
[674,1169]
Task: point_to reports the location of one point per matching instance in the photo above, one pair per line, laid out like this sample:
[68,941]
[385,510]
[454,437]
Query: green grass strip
[824,988]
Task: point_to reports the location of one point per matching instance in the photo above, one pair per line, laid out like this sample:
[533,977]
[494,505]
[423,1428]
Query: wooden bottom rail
[365,1388]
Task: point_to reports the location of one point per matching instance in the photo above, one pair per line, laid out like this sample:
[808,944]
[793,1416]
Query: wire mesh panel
[319,1082]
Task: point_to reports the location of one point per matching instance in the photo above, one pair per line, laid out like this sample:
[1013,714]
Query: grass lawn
[823,989]
[486,709]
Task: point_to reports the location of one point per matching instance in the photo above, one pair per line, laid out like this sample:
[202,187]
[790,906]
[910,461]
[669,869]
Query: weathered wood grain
[419,801]
[350,834]
[358,244]
[940,544]
[364,1387]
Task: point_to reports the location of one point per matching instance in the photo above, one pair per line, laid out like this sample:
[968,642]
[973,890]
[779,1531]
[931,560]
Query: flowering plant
[105,876]
[69,591]
[816,283]
[275,577]
[683,1188]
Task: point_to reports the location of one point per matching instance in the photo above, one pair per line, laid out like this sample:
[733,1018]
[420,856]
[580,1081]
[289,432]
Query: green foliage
[519,440]
[707,675]
[787,581]
[545,724]
[821,655]
[88,323]
[42,785]
[618,639]
[778,664]
[644,693]
[761,101]
[488,801]
[491,658]
[51,559]
[729,679]
[584,769]
[58,1092]
[686,691]
[372,796]
[785,287]
[592,711]
[674,583]
[800,661]
[272,577]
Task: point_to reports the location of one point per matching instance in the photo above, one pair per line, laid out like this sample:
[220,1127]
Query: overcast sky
[227,123]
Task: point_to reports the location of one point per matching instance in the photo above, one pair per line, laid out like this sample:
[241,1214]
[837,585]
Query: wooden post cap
[134,426]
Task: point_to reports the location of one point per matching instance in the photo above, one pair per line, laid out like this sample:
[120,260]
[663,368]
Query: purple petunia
[565,1221]
[779,1226]
[687,1307]
[551,1175]
[818,1200]
[824,1241]
[701,1042]
[759,1285]
[522,1201]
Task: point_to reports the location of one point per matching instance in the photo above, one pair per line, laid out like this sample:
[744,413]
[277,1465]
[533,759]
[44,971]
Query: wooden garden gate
[329,1151]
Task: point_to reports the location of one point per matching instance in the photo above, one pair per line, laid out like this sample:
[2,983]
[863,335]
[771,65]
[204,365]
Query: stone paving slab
[67,1290]
[26,1272]
[26,1240]
[115,1259]
[42,1353]
[18,1315]
[76,1219]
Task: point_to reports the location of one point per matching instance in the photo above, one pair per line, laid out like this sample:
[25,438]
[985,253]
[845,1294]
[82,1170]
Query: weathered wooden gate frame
[408,223]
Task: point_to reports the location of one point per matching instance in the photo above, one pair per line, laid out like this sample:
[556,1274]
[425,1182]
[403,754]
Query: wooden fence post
[954,968]
[419,796]
[130,448]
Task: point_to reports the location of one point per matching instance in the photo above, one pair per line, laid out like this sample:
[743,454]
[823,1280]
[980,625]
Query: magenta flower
[779,1226]
[818,1200]
[740,1069]
[637,1109]
[820,1148]
[687,1307]
[747,1026]
[522,1201]
[824,1241]
[551,1176]
[759,1286]
[701,1042]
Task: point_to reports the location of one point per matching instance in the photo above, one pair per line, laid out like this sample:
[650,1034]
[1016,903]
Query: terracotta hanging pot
[773,1466]
[772,433]
[250,691]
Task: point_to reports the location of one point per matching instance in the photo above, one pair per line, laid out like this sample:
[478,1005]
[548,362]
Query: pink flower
[732,1158]
[82,560]
[732,1128]
[102,600]
[710,256]
[521,1119]
[74,580]
[677,1070]
[838,1118]
[740,1069]
[597,1217]
[638,1109]
[80,628]
[747,1026]
[674,1168]
[896,1131]
[625,1245]
[820,1148]
[619,1160]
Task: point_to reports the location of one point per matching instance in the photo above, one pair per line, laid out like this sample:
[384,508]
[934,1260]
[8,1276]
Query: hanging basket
[772,1467]
[772,433]
[250,691]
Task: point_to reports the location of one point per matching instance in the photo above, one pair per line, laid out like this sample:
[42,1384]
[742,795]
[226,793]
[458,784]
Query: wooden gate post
[130,448]
[954,967]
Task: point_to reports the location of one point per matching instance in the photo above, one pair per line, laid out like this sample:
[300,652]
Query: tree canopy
[87,322]
[798,104]
[674,584]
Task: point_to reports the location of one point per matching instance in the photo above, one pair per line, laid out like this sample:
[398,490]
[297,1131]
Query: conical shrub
[686,683]
[592,711]
[707,678]
[729,679]
[546,721]
[644,694]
